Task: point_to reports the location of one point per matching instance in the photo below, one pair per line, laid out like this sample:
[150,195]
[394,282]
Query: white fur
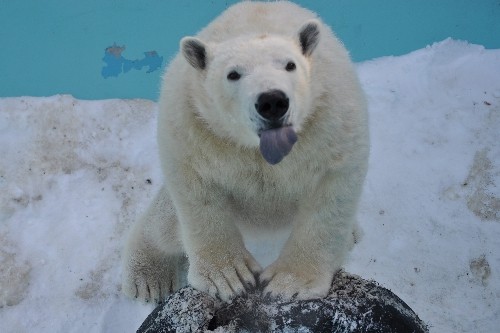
[217,181]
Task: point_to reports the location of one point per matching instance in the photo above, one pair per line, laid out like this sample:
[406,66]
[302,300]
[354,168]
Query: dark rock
[354,305]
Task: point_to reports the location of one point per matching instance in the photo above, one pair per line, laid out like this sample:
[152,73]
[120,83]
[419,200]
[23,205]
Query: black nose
[272,105]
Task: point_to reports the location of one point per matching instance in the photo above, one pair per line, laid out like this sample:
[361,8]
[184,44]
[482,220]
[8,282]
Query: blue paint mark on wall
[116,64]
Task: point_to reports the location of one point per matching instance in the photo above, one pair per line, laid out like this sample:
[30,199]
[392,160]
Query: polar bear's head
[256,89]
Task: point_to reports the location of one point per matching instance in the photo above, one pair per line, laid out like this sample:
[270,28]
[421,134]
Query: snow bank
[75,174]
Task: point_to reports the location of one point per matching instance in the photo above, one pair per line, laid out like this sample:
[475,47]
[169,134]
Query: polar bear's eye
[290,66]
[233,76]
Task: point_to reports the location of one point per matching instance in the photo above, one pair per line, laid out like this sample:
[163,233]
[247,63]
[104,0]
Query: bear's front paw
[287,283]
[224,276]
[153,279]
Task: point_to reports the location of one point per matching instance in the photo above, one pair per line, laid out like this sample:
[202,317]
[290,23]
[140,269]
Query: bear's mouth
[276,143]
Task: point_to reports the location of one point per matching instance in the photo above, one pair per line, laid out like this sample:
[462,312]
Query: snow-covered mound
[353,305]
[75,174]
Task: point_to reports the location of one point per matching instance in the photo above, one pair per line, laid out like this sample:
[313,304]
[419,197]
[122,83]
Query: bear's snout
[272,105]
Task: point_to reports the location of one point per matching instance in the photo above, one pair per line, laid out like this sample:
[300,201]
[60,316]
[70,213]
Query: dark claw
[263,284]
[267,297]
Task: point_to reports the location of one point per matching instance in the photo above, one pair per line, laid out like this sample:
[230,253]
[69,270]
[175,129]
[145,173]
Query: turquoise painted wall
[57,46]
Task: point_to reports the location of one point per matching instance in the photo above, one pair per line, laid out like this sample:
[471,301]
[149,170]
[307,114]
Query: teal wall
[57,46]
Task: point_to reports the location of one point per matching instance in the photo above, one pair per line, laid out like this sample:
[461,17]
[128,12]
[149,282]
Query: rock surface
[354,305]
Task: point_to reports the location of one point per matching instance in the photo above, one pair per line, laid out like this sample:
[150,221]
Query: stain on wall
[116,63]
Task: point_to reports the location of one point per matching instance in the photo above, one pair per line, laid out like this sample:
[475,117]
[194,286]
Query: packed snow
[74,176]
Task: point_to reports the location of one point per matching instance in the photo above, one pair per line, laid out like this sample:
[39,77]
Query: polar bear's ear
[309,37]
[194,50]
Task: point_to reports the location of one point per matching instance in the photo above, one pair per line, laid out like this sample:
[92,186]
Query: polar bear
[262,125]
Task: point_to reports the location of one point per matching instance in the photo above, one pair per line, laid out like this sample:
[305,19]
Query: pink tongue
[276,143]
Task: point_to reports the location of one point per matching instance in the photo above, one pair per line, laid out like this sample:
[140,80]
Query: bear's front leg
[320,239]
[154,262]
[219,263]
